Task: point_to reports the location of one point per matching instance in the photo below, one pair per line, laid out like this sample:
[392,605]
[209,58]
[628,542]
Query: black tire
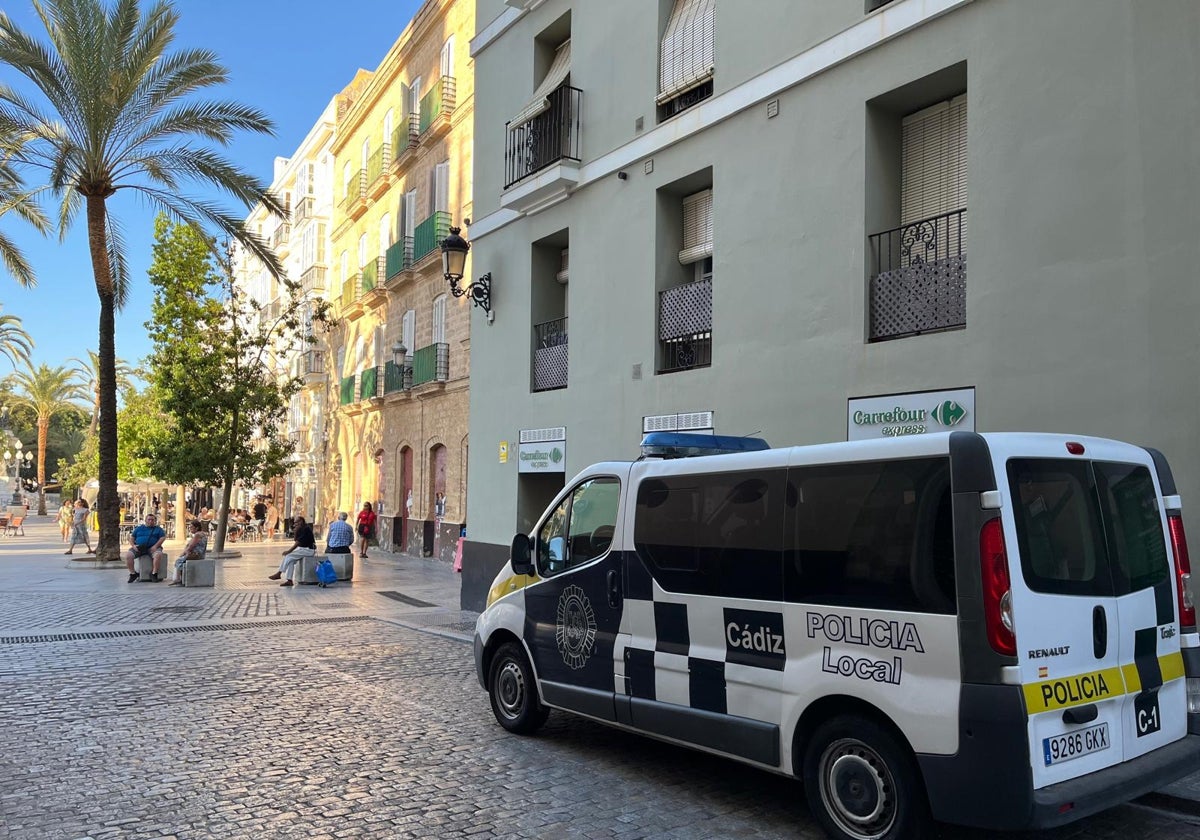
[513,692]
[862,783]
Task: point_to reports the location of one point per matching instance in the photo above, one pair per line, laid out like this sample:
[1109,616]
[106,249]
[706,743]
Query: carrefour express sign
[550,457]
[916,413]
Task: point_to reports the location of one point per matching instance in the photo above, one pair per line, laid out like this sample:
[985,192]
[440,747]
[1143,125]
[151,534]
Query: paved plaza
[250,710]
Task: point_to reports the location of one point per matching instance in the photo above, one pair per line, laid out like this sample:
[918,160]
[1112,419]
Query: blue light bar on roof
[684,445]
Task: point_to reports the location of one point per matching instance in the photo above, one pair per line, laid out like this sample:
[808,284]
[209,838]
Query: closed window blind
[385,233]
[447,60]
[688,56]
[439,320]
[408,330]
[410,213]
[933,161]
[697,227]
[441,187]
[560,70]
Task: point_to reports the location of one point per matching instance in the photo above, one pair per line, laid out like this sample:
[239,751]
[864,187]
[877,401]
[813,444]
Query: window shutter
[933,161]
[564,273]
[559,70]
[320,226]
[688,53]
[362,250]
[442,186]
[408,334]
[385,233]
[410,212]
[414,101]
[439,320]
[388,119]
[697,227]
[447,62]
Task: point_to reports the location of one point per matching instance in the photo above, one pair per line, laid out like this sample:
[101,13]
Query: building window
[872,5]
[447,60]
[439,188]
[918,270]
[414,96]
[439,320]
[408,330]
[687,58]
[685,310]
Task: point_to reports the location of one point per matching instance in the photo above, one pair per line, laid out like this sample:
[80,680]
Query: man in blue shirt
[146,540]
[340,536]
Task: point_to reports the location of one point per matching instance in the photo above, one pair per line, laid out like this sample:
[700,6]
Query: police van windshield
[1087,528]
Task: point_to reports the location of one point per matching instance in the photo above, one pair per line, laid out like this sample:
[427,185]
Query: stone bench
[145,566]
[306,569]
[343,564]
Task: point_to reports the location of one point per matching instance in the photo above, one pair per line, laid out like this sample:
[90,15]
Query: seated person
[195,548]
[305,545]
[146,540]
[340,536]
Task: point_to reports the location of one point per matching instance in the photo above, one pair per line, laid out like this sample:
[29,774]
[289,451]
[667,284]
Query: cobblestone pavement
[300,721]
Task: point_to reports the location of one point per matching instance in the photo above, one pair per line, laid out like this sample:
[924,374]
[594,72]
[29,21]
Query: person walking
[340,536]
[79,527]
[366,528]
[64,519]
[272,518]
[305,545]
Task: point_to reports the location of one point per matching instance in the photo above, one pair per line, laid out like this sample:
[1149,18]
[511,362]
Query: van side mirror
[521,562]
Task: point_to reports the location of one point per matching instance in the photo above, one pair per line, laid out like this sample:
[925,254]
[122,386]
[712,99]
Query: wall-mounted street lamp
[454,261]
[400,360]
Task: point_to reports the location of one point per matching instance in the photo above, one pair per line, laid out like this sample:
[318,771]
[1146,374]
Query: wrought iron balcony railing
[347,393]
[685,326]
[368,379]
[356,189]
[551,136]
[399,257]
[919,277]
[397,377]
[431,364]
[429,234]
[405,135]
[438,102]
[550,355]
[378,163]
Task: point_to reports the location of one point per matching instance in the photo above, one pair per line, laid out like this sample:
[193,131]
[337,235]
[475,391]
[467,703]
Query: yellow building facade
[398,353]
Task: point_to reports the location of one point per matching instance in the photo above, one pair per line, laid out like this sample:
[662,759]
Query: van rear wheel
[862,783]
[513,693]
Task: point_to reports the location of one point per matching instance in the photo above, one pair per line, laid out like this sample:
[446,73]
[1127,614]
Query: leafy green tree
[214,366]
[88,371]
[75,471]
[46,391]
[143,430]
[116,111]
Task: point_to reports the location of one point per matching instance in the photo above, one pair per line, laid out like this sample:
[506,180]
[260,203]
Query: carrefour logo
[949,413]
[556,455]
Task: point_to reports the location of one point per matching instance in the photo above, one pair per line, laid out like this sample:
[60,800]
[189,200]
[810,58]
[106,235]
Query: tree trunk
[107,505]
[43,427]
[227,483]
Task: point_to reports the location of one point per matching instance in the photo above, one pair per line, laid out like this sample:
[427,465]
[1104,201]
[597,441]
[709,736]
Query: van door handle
[1081,714]
[1099,632]
[614,589]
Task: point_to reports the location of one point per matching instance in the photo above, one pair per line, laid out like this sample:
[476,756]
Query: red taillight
[997,593]
[1075,448]
[1183,572]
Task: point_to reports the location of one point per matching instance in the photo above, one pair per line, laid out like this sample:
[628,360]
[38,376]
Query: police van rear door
[1090,583]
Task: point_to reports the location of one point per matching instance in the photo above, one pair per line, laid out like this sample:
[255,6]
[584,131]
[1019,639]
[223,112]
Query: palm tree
[15,343]
[15,198]
[47,391]
[118,112]
[88,371]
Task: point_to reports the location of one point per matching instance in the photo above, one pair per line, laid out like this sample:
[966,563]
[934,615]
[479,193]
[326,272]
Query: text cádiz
[872,632]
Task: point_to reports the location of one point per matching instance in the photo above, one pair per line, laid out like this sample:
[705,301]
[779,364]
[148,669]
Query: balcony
[550,355]
[378,171]
[428,236]
[280,238]
[542,155]
[368,277]
[437,106]
[347,393]
[305,209]
[368,382]
[397,378]
[301,441]
[685,327]
[354,202]
[919,277]
[399,258]
[312,281]
[431,364]
[374,274]
[312,367]
[404,142]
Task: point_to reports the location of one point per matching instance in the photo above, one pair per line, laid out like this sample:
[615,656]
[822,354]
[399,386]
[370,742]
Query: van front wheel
[862,784]
[513,693]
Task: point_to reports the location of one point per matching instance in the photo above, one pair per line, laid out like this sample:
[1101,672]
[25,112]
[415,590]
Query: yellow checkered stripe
[1092,686]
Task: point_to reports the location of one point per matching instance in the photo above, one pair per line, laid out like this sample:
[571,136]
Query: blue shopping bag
[325,573]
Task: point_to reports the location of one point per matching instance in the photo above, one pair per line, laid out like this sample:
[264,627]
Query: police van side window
[871,535]
[581,528]
[713,534]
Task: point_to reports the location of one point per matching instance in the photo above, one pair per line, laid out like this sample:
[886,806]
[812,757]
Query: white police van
[986,629]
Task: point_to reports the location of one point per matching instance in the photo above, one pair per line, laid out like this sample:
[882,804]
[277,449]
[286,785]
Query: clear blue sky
[285,57]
